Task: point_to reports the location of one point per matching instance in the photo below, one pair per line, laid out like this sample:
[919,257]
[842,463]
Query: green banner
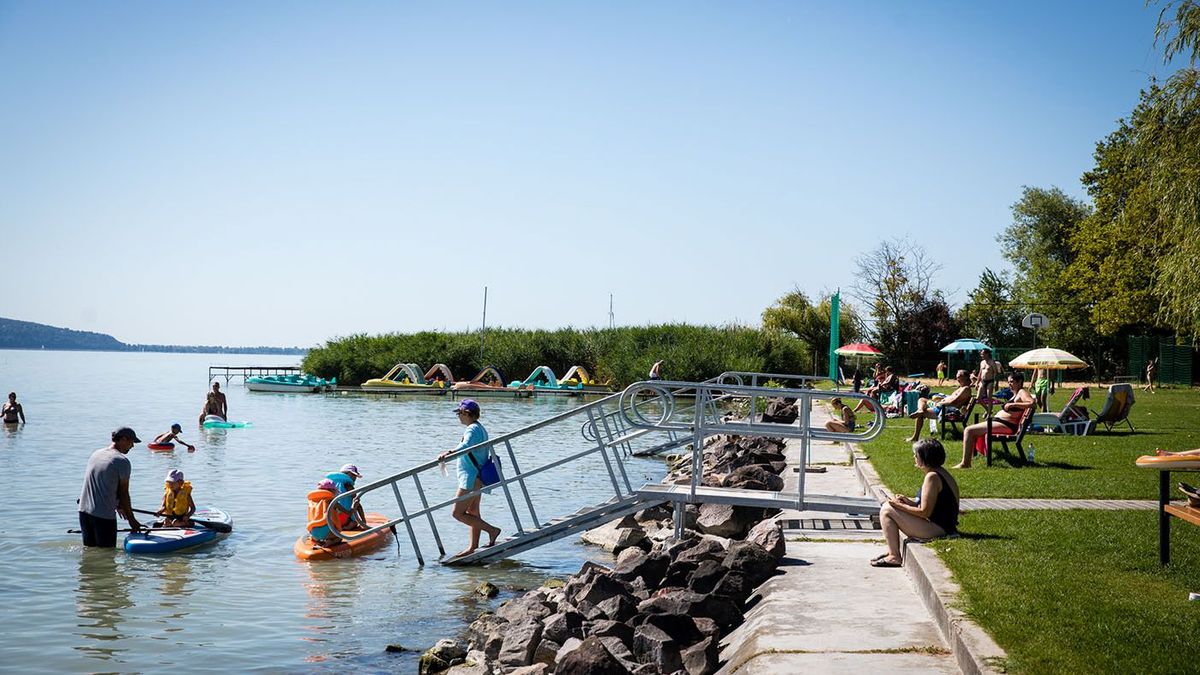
[835,322]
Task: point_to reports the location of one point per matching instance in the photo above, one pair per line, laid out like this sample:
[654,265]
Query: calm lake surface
[246,603]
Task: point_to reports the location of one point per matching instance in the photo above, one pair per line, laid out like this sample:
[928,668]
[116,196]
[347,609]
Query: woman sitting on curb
[934,514]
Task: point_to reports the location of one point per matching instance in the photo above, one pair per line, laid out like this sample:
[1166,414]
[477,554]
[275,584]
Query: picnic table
[1165,465]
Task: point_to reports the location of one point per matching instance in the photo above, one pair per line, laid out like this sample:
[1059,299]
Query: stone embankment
[664,605]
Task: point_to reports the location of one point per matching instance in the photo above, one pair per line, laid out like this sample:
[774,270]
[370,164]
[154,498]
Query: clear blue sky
[281,173]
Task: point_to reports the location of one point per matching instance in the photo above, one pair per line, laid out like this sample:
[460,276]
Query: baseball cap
[469,405]
[351,470]
[176,425]
[326,484]
[126,432]
[174,475]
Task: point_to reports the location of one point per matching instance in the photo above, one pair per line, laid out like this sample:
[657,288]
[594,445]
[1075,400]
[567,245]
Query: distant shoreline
[263,351]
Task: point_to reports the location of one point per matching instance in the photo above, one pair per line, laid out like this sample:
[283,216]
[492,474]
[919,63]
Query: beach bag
[489,471]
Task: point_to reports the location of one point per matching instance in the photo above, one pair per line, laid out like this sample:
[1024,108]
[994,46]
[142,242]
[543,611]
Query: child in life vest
[177,505]
[320,510]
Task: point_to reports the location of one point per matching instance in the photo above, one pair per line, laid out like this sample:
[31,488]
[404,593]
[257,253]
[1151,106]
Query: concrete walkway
[830,611]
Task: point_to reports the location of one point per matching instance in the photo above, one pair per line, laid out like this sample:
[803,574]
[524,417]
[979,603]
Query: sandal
[881,556]
[884,562]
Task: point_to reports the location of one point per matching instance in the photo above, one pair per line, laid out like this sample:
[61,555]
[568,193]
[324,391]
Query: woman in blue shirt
[466,511]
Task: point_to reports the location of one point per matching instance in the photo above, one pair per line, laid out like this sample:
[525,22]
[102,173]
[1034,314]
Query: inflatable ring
[161,447]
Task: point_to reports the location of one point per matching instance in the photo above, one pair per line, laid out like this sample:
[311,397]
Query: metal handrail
[612,422]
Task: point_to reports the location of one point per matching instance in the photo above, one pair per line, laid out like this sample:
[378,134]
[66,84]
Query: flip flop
[881,556]
[884,562]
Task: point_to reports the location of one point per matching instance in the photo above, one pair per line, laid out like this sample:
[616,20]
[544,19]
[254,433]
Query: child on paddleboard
[177,505]
[172,436]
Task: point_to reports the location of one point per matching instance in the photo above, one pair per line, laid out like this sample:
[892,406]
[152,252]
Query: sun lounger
[1073,419]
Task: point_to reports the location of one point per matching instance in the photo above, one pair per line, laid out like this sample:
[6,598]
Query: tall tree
[923,330]
[794,315]
[991,313]
[895,281]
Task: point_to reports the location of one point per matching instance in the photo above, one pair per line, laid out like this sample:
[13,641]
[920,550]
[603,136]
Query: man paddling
[106,491]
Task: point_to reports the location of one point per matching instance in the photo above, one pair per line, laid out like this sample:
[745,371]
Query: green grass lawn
[1080,591]
[1097,466]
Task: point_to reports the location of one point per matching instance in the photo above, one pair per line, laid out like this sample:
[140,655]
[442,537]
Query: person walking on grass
[933,514]
[1151,374]
[106,491]
[466,511]
[941,372]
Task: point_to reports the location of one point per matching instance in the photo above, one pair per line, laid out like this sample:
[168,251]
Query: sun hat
[326,484]
[352,470]
[174,476]
[468,405]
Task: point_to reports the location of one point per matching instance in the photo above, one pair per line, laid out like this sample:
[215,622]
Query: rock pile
[663,606]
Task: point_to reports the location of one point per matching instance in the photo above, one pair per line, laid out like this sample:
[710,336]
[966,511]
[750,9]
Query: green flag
[835,314]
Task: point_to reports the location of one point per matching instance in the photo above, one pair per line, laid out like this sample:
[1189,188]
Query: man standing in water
[106,491]
[215,404]
[12,410]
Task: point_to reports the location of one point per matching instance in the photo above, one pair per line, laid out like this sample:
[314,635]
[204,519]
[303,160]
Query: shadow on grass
[1065,466]
[982,536]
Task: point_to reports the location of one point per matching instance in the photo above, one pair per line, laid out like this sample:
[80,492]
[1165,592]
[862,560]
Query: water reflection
[175,575]
[101,598]
[333,589]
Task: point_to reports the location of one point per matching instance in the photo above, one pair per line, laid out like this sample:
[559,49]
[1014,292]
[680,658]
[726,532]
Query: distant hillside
[28,335]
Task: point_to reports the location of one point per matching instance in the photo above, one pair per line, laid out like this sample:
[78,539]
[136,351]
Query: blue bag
[489,472]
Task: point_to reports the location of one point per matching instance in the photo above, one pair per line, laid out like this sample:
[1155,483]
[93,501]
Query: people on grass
[467,510]
[172,436]
[1007,420]
[177,504]
[215,404]
[1041,388]
[941,372]
[927,409]
[105,491]
[12,412]
[844,422]
[885,383]
[934,513]
[1151,375]
[988,371]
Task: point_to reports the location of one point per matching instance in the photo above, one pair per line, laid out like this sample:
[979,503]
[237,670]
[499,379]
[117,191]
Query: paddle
[212,525]
[144,529]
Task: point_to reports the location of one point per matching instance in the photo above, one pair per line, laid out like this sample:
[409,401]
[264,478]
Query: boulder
[618,607]
[735,586]
[702,658]
[565,624]
[778,411]
[727,520]
[487,589]
[769,535]
[707,626]
[753,477]
[470,667]
[589,657]
[651,644]
[599,589]
[520,643]
[531,605]
[706,576]
[535,669]
[546,653]
[681,627]
[752,560]
[589,612]
[697,551]
[609,628]
[441,656]
[722,610]
[634,563]
[616,536]
[486,633]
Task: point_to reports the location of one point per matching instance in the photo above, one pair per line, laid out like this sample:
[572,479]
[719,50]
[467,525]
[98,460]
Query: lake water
[246,603]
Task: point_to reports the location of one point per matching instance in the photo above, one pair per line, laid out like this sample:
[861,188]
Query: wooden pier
[230,372]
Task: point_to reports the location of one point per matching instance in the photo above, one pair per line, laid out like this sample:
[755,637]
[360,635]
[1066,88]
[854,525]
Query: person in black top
[934,514]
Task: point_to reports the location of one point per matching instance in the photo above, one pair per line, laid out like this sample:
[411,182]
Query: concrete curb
[974,650]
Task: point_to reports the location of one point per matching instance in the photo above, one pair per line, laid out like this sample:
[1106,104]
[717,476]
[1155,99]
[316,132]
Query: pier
[230,372]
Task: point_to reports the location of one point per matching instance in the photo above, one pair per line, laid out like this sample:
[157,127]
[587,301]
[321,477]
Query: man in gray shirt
[106,491]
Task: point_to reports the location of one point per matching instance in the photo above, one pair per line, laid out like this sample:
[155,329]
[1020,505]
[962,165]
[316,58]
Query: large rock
[720,609]
[753,477]
[735,586]
[565,624]
[590,657]
[697,551]
[681,627]
[706,576]
[530,605]
[752,560]
[653,645]
[727,520]
[609,628]
[535,669]
[635,563]
[487,633]
[616,536]
[441,656]
[470,667]
[702,658]
[546,653]
[618,607]
[599,589]
[779,411]
[520,643]
[769,535]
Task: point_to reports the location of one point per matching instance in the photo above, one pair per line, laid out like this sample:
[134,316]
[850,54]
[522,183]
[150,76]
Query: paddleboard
[170,540]
[1170,462]
[214,422]
[305,549]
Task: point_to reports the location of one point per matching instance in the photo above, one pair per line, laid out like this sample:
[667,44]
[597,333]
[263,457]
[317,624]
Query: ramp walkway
[593,441]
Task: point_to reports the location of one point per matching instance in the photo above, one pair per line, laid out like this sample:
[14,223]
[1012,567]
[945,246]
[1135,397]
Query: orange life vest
[318,508]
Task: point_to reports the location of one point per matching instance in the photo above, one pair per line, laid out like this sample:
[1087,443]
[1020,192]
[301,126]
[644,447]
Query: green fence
[1174,359]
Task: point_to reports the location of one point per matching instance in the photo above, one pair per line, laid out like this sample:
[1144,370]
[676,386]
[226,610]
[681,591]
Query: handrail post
[616,458]
[412,536]
[805,402]
[512,456]
[603,448]
[428,514]
[512,507]
[697,440]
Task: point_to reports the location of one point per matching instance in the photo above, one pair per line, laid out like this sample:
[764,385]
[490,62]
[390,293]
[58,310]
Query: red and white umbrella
[859,350]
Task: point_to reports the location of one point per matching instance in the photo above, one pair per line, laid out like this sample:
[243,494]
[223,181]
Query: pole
[483,328]
[611,316]
[835,304]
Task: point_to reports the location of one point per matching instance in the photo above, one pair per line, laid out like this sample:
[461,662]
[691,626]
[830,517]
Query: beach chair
[1116,407]
[999,432]
[1072,420]
[955,421]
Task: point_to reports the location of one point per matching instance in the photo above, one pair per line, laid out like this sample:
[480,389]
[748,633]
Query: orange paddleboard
[306,549]
[1168,462]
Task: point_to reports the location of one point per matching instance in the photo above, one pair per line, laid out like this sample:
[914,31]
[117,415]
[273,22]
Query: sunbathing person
[928,409]
[1010,417]
[1182,453]
[933,514]
[844,424]
[885,384]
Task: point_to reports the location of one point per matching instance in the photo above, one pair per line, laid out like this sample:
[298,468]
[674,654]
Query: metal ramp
[645,417]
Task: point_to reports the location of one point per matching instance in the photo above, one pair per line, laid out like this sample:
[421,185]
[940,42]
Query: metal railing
[651,411]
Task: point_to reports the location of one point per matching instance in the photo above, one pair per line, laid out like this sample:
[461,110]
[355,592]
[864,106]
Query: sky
[283,173]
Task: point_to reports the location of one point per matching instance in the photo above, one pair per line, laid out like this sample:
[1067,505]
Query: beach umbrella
[859,350]
[1051,359]
[965,345]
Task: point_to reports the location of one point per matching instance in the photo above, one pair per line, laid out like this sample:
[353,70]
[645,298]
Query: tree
[990,313]
[894,281]
[794,315]
[923,330]
[1038,244]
